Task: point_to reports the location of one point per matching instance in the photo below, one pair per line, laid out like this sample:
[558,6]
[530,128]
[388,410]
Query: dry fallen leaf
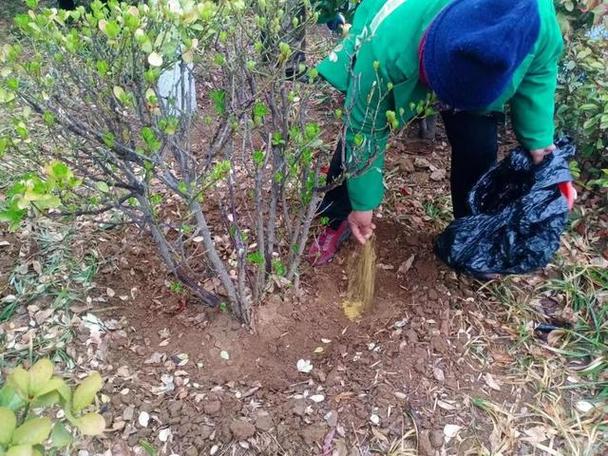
[304,366]
[450,431]
[164,434]
[318,398]
[446,405]
[406,265]
[143,419]
[155,358]
[491,382]
[535,435]
[584,406]
[438,374]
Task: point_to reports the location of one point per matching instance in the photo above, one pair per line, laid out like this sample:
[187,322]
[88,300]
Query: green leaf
[58,385]
[260,110]
[42,371]
[20,380]
[9,424]
[148,448]
[49,118]
[86,391]
[33,432]
[311,131]
[119,92]
[255,258]
[219,100]
[20,450]
[31,3]
[60,437]
[10,398]
[102,187]
[279,267]
[150,139]
[102,67]
[258,157]
[112,29]
[46,400]
[108,139]
[91,424]
[4,142]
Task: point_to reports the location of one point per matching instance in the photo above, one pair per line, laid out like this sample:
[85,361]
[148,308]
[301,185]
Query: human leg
[474,143]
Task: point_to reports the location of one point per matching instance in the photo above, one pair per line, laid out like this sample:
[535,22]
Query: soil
[226,384]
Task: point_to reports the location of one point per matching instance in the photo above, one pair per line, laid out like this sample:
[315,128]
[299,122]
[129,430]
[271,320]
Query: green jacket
[389,33]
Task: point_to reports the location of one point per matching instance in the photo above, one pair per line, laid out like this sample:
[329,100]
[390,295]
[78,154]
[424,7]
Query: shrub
[227,192]
[582,96]
[31,424]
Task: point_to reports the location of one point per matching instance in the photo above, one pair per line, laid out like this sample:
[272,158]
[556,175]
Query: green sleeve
[366,191]
[336,67]
[533,105]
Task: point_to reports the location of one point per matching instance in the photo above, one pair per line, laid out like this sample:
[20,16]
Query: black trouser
[474,142]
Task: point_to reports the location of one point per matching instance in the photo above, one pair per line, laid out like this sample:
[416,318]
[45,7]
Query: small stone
[438,175]
[436,438]
[406,164]
[128,413]
[242,430]
[313,435]
[421,162]
[332,418]
[118,425]
[204,432]
[263,421]
[425,448]
[412,336]
[212,407]
[192,451]
[175,407]
[299,407]
[319,375]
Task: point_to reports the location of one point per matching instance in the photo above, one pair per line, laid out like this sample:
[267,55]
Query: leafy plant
[228,193]
[29,401]
[582,96]
[210,188]
[577,15]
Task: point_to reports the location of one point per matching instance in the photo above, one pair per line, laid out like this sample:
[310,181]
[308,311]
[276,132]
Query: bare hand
[538,155]
[361,225]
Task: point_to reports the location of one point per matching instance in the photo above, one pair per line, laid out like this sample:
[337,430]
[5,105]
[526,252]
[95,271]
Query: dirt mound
[210,381]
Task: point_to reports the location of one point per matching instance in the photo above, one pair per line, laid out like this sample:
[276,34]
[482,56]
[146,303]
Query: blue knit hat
[473,47]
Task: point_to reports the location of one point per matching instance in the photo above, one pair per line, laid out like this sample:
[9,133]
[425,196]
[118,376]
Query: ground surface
[427,370]
[439,365]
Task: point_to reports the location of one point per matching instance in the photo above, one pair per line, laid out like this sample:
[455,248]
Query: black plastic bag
[518,217]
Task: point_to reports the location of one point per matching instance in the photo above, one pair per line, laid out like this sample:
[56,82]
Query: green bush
[226,192]
[582,96]
[40,412]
